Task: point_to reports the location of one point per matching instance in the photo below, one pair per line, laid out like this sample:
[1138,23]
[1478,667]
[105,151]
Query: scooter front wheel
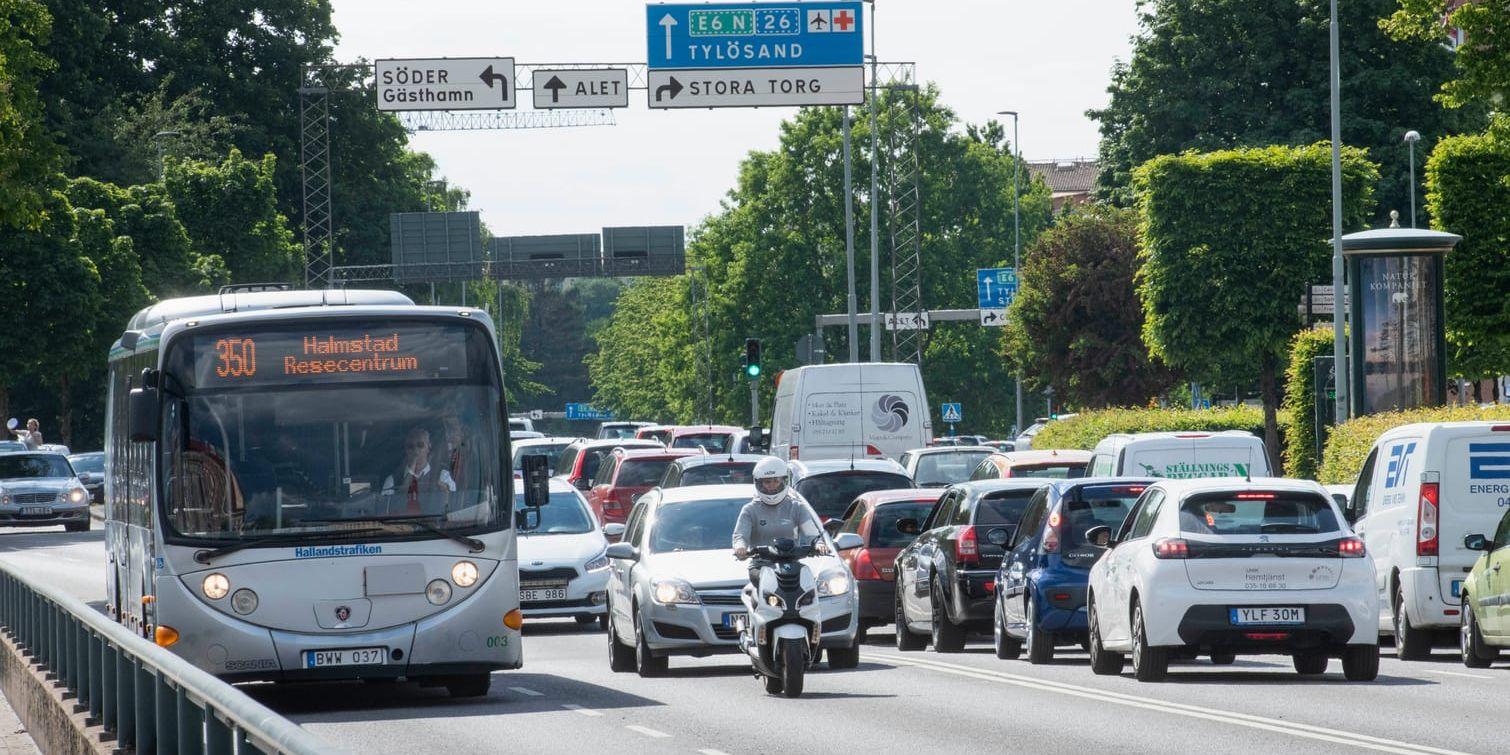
[793,666]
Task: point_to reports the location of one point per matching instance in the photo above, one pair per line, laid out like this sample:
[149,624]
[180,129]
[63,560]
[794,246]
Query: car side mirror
[848,541]
[833,526]
[143,407]
[908,526]
[1101,536]
[527,519]
[999,536]
[1476,543]
[613,529]
[537,481]
[582,483]
[623,551]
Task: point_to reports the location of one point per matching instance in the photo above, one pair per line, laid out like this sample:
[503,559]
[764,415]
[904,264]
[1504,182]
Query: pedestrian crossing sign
[953,415]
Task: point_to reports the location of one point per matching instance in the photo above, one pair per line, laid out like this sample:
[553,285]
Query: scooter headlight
[834,582]
[773,600]
[673,591]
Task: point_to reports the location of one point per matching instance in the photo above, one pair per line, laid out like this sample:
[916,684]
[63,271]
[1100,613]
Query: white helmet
[771,476]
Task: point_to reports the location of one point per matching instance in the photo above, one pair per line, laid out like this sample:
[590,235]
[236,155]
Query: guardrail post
[167,714]
[146,727]
[109,692]
[95,681]
[190,725]
[217,735]
[125,698]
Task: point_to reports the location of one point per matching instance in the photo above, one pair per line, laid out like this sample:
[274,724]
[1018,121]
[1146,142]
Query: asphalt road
[566,699]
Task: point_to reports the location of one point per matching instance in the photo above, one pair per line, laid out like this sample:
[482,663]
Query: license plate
[551,593]
[1457,588]
[730,619]
[36,510]
[345,657]
[1244,616]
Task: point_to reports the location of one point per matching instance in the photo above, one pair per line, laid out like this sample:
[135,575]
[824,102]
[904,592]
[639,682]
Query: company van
[839,411]
[1180,455]
[1423,488]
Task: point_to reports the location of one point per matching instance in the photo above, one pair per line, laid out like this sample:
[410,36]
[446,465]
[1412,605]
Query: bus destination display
[329,355]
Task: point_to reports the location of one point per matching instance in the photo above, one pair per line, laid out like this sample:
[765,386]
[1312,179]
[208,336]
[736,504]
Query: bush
[1300,402]
[1348,446]
[1083,431]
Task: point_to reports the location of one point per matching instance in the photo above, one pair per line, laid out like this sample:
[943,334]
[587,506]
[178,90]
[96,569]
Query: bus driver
[423,486]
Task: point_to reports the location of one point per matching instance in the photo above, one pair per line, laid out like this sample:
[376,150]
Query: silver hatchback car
[41,490]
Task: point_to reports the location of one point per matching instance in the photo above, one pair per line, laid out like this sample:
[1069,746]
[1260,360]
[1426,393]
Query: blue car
[1040,588]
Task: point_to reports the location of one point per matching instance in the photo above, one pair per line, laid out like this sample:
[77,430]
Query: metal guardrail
[151,700]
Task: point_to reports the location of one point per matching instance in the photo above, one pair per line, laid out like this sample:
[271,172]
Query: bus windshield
[325,427]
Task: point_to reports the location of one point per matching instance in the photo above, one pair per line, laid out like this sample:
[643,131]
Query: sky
[1050,60]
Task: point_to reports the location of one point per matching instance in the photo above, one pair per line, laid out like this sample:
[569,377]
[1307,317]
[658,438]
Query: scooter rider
[777,511]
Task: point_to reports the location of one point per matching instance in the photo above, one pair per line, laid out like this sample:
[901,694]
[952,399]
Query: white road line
[1191,711]
[1458,673]
[579,709]
[527,692]
[711,751]
[647,731]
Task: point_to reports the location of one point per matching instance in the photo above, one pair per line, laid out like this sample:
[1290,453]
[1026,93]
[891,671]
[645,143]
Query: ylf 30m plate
[1267,615]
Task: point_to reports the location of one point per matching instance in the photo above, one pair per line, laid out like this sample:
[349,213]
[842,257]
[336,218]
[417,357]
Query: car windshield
[1102,505]
[947,468]
[308,428]
[883,524]
[706,525]
[549,450]
[664,436]
[1251,513]
[713,443]
[617,432]
[641,473]
[88,463]
[830,494]
[1003,507]
[1058,470]
[719,473]
[565,514]
[7,446]
[33,466]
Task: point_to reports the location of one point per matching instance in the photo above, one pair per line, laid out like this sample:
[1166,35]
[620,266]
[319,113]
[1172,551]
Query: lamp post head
[1012,113]
[1412,136]
[161,134]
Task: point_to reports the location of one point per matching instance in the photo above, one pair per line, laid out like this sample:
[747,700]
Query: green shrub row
[1300,402]
[1086,429]
[1347,447]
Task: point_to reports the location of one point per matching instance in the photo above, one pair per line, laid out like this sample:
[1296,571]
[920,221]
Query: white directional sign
[756,87]
[445,84]
[593,88]
[993,318]
[907,321]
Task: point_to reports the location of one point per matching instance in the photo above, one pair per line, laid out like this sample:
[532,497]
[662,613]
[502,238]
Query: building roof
[1077,176]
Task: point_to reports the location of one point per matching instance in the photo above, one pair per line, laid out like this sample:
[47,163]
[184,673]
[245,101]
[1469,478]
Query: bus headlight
[438,591]
[216,586]
[244,601]
[464,574]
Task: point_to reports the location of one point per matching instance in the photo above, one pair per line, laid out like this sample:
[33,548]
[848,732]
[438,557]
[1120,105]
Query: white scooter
[780,628]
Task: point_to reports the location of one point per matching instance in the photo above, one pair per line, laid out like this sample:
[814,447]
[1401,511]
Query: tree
[230,209]
[1217,74]
[82,383]
[1231,240]
[145,214]
[1482,62]
[28,158]
[1076,323]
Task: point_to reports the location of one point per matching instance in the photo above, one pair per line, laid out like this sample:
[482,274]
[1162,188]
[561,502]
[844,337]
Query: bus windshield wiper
[206,556]
[420,521]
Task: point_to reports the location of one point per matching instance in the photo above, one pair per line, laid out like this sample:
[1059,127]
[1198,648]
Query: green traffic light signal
[752,370]
[752,358]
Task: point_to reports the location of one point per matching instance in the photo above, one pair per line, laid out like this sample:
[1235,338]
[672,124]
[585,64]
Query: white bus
[313,485]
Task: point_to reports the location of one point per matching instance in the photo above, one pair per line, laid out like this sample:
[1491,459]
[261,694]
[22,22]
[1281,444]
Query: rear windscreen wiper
[421,521]
[206,556]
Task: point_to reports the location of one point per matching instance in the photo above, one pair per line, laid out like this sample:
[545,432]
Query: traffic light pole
[754,403]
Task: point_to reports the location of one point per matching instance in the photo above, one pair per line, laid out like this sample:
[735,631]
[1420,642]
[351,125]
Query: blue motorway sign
[995,287]
[587,412]
[755,35]
[952,414]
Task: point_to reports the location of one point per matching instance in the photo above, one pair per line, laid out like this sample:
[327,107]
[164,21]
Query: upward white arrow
[668,21]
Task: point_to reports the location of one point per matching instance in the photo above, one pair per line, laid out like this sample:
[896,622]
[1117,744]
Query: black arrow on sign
[555,85]
[675,88]
[488,77]
[990,317]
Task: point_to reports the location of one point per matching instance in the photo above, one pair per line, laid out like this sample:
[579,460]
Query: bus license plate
[345,657]
[546,593]
[36,510]
[1244,616]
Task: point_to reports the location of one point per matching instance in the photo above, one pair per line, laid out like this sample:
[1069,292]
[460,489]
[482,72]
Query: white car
[942,466]
[1232,567]
[549,447]
[563,562]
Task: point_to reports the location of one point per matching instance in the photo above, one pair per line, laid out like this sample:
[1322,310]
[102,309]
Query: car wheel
[1411,644]
[906,639]
[843,658]
[603,620]
[1040,644]
[1103,661]
[1007,648]
[947,636]
[1310,663]
[645,661]
[1223,659]
[1150,664]
[620,656]
[1471,641]
[1360,663]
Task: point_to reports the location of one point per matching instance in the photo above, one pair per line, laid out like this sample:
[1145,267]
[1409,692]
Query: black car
[946,579]
[91,470]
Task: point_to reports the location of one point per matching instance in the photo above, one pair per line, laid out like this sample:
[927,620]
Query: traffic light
[752,358]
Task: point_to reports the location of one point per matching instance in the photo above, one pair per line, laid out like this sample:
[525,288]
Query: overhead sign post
[755,54]
[580,88]
[445,84]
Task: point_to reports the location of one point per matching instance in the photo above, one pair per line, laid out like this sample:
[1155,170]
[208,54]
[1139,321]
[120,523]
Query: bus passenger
[421,485]
[459,458]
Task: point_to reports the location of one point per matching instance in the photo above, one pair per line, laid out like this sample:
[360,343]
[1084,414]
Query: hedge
[1085,430]
[1348,446]
[1467,191]
[1300,402]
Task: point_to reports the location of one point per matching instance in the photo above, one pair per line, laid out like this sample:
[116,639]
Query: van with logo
[1422,490]
[842,411]
[1180,455]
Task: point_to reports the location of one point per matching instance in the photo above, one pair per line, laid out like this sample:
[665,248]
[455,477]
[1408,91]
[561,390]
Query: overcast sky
[1049,59]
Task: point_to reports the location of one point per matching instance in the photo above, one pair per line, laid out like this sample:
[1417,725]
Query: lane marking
[711,751]
[527,692]
[647,731]
[1181,709]
[1458,673]
[573,707]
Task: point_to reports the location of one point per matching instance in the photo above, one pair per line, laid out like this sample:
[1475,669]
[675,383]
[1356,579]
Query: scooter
[780,628]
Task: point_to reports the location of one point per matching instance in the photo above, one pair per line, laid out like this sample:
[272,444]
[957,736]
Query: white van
[1181,455]
[1423,488]
[840,411]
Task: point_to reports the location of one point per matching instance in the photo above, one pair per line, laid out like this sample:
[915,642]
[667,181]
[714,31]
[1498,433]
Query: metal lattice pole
[903,222]
[314,167]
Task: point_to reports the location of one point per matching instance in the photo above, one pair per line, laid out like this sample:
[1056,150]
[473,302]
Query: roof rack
[253,288]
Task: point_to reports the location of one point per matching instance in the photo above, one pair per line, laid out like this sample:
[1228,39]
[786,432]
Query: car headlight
[464,574]
[834,582]
[216,586]
[244,601]
[438,591]
[78,495]
[672,591]
[601,562]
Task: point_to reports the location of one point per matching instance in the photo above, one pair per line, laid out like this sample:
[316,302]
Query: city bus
[306,485]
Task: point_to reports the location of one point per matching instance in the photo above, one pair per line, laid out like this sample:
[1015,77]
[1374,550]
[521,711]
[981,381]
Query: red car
[874,517]
[626,475]
[579,462]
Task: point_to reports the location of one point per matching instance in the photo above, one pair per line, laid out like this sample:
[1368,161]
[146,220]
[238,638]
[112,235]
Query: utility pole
[1339,283]
[849,249]
[158,138]
[875,196]
[1016,240]
[1411,137]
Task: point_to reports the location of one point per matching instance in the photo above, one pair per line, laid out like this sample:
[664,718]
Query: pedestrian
[32,435]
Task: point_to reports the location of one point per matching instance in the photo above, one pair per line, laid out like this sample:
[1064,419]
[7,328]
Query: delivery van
[840,411]
[1422,489]
[1180,455]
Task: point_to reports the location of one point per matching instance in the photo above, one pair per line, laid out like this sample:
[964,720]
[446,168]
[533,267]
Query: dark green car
[1486,598]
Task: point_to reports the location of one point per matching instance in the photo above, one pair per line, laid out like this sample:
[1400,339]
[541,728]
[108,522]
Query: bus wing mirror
[537,480]
[142,409]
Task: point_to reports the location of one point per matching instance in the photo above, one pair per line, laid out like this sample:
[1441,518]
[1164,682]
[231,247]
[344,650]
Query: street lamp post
[1411,137]
[1339,289]
[158,139]
[1016,237]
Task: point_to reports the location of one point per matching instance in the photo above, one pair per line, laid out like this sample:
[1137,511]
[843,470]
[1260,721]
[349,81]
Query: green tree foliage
[1076,323]
[1231,241]
[646,365]
[1483,63]
[1468,191]
[28,158]
[1300,402]
[1216,74]
[230,209]
[146,215]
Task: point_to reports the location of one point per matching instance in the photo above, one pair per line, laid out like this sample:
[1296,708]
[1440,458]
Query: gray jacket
[760,523]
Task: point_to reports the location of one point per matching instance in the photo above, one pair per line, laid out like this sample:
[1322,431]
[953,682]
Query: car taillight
[1500,429]
[966,548]
[1051,534]
[990,585]
[1171,547]
[1255,496]
[872,450]
[864,567]
[1426,520]
[1350,547]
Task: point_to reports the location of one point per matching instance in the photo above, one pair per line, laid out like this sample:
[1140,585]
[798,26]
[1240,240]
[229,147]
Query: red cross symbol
[843,20]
